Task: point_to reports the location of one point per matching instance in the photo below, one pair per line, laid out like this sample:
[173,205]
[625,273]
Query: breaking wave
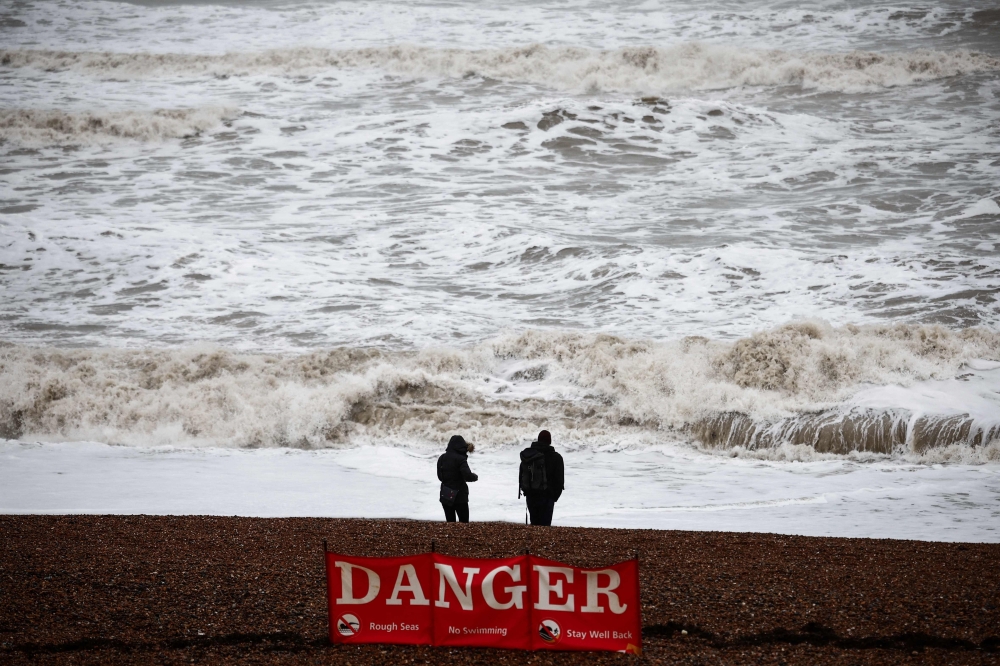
[641,69]
[40,127]
[787,387]
[932,437]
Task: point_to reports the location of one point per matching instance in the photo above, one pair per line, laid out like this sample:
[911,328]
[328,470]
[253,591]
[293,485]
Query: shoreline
[127,589]
[659,488]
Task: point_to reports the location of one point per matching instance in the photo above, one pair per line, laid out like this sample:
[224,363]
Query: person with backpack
[455,476]
[540,478]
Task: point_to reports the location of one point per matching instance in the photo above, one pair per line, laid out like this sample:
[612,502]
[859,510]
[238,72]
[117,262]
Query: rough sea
[742,259]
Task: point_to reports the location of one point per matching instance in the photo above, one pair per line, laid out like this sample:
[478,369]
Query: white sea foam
[595,389]
[635,69]
[214,28]
[981,207]
[663,488]
[35,127]
[384,224]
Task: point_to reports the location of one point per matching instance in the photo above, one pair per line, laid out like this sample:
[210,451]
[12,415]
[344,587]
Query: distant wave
[48,127]
[786,387]
[640,69]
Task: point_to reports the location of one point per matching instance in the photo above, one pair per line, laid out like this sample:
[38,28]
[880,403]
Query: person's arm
[467,473]
[558,481]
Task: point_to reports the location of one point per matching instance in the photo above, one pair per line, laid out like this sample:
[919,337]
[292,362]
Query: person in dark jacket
[454,474]
[541,502]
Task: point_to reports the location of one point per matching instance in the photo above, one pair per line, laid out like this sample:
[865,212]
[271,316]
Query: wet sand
[146,589]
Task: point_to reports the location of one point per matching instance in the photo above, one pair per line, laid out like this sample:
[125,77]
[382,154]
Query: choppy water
[312,223]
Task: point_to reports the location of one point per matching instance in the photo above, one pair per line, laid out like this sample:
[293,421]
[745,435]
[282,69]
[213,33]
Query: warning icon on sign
[348,625]
[549,631]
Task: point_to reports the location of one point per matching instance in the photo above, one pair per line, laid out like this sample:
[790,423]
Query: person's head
[545,438]
[457,443]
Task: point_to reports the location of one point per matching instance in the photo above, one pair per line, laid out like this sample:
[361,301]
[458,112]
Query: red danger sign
[525,602]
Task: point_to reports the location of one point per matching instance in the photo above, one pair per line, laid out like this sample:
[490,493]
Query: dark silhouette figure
[540,478]
[455,476]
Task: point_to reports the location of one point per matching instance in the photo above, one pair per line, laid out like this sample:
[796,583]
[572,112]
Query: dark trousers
[540,509]
[461,508]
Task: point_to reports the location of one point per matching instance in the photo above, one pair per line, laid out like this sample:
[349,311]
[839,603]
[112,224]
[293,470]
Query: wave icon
[348,625]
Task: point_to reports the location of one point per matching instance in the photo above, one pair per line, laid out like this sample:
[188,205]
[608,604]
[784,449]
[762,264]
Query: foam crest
[48,127]
[641,69]
[787,386]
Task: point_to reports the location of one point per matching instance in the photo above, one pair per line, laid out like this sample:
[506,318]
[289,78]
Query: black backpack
[531,476]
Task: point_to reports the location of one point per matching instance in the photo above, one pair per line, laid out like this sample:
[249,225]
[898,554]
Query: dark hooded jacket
[554,472]
[453,467]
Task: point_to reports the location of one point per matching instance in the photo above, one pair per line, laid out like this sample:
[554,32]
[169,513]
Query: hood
[530,454]
[457,444]
[541,447]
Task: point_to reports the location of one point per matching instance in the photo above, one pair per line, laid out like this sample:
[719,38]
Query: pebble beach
[144,589]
